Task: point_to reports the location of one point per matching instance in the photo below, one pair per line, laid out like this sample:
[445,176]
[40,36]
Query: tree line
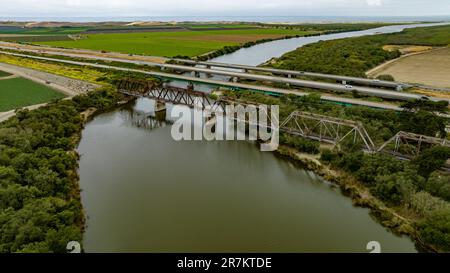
[40,209]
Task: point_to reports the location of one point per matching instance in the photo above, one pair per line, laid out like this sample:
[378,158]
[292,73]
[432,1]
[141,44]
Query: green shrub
[425,204]
[394,189]
[327,155]
[385,77]
[435,229]
[438,184]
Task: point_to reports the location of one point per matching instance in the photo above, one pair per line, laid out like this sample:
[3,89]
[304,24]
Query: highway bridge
[292,73]
[196,71]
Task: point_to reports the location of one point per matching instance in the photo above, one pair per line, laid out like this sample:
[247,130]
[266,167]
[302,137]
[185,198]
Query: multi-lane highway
[291,73]
[212,82]
[362,90]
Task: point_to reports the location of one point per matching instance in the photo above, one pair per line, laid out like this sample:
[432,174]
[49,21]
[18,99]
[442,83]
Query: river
[144,192]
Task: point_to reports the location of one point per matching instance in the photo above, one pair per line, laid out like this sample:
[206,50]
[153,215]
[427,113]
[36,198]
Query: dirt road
[70,87]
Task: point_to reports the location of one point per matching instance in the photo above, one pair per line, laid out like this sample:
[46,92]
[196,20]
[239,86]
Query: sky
[124,8]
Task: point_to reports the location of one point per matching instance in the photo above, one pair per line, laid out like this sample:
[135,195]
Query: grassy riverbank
[409,197]
[355,56]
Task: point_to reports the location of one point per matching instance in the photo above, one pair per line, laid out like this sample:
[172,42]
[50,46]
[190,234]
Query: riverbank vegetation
[40,209]
[355,56]
[331,27]
[417,190]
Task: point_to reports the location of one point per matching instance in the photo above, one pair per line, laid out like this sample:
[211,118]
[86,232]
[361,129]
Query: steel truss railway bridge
[326,129]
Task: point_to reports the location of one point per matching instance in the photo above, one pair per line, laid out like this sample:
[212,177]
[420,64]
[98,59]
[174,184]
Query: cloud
[374,2]
[148,8]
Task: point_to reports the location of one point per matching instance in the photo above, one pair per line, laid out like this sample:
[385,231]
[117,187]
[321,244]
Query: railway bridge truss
[326,129]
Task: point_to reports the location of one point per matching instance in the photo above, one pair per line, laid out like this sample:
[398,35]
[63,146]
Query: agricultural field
[4,74]
[428,68]
[20,92]
[219,26]
[41,30]
[169,44]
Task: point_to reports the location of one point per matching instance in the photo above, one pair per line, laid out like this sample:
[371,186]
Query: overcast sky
[100,8]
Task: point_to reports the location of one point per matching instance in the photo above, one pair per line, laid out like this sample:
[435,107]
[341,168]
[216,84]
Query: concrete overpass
[291,73]
[197,71]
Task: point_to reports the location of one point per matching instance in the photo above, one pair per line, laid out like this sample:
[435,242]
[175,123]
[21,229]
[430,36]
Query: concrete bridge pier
[344,82]
[160,106]
[210,127]
[235,79]
[195,74]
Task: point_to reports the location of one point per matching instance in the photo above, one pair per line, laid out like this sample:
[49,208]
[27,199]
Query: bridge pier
[195,74]
[160,106]
[344,82]
[235,79]
[399,88]
[209,129]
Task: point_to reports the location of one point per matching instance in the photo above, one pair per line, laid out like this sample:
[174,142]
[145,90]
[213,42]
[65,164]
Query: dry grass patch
[407,49]
[429,68]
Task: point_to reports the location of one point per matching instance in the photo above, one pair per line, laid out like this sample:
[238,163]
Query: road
[216,82]
[367,91]
[289,73]
[68,86]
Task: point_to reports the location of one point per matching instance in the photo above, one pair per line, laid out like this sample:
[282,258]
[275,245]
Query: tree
[424,204]
[439,185]
[426,105]
[435,229]
[431,160]
[394,188]
[386,77]
[424,123]
[378,164]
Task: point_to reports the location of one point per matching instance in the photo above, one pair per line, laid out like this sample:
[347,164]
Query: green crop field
[4,74]
[224,26]
[187,43]
[19,92]
[42,30]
